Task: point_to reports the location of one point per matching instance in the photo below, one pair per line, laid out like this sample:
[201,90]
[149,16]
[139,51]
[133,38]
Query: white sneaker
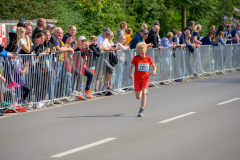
[75,93]
[71,99]
[40,105]
[121,91]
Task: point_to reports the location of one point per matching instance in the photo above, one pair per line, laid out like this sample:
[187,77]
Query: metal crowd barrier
[43,79]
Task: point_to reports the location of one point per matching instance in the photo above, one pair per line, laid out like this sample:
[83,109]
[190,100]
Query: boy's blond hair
[93,38]
[142,46]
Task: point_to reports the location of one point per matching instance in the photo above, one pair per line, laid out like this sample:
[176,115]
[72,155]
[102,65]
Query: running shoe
[120,91]
[88,93]
[98,94]
[80,98]
[12,84]
[57,102]
[109,87]
[5,104]
[16,84]
[140,114]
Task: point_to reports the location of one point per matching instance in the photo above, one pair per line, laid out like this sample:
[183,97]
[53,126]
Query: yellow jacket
[128,38]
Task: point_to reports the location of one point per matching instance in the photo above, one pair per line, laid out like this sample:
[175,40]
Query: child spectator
[121,60]
[220,38]
[128,35]
[85,53]
[96,53]
[8,66]
[142,64]
[20,41]
[96,50]
[25,89]
[28,33]
[208,40]
[50,27]
[48,44]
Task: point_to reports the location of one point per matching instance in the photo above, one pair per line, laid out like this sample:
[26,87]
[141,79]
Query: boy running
[142,64]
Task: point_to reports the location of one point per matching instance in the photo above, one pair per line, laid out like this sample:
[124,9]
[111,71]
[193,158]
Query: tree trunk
[183,17]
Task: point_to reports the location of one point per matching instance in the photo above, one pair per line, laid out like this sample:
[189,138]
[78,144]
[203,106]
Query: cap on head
[49,26]
[81,38]
[21,20]
[107,30]
[144,31]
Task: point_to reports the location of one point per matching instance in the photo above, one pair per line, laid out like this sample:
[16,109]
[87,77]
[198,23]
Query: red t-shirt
[142,67]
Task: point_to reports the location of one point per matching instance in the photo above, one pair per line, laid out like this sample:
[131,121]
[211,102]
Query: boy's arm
[130,71]
[154,70]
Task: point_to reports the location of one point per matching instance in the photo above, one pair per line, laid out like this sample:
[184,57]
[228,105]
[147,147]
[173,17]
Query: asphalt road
[190,121]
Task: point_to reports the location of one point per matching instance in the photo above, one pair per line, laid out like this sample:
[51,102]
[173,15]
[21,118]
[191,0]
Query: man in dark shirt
[190,46]
[153,37]
[41,24]
[63,65]
[141,36]
[56,41]
[235,37]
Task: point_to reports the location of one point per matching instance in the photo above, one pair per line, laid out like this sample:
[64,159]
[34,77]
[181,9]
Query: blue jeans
[68,83]
[61,73]
[119,73]
[89,76]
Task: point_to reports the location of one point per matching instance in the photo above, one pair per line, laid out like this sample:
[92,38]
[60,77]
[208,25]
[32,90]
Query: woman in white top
[108,45]
[20,41]
[121,58]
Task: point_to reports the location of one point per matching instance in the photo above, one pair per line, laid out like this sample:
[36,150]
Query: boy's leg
[144,98]
[142,88]
[138,94]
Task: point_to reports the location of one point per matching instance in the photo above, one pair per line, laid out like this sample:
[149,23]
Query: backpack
[12,46]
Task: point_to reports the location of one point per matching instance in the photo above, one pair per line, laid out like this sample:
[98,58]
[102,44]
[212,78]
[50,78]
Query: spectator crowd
[47,39]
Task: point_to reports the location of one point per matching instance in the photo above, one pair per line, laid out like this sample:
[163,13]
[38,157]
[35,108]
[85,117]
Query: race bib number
[143,67]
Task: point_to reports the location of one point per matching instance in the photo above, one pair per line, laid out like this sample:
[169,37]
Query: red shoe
[16,84]
[13,89]
[109,87]
[12,84]
[80,97]
[88,93]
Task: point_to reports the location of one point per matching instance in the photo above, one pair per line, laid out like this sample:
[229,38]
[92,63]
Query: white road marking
[231,100]
[83,147]
[177,117]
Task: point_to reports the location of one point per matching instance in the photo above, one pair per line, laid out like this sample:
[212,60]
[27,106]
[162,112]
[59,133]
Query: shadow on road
[115,115]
